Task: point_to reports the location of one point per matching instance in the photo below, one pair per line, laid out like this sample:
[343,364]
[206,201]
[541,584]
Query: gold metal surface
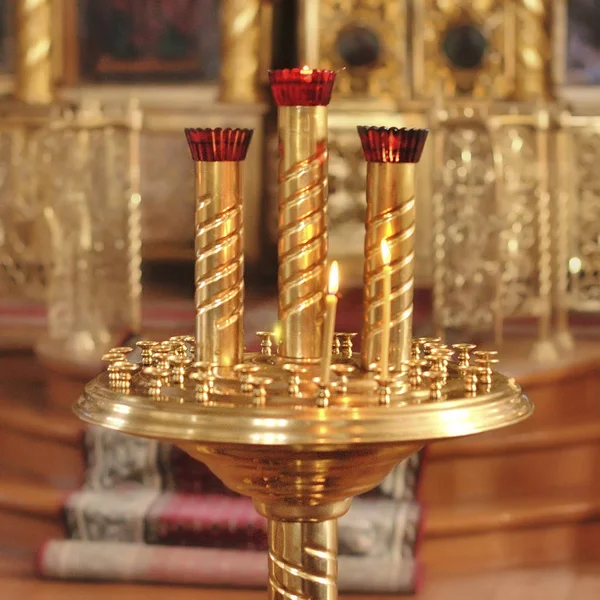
[303,560]
[302,242]
[271,427]
[219,268]
[240,50]
[383,82]
[73,225]
[295,422]
[580,146]
[532,73]
[433,73]
[390,216]
[34,45]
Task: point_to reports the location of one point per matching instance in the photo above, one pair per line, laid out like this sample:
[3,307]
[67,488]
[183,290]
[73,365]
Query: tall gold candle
[34,45]
[219,268]
[302,96]
[391,156]
[329,328]
[387,306]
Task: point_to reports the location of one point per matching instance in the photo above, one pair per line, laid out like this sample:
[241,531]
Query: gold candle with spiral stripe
[219,242]
[302,96]
[391,155]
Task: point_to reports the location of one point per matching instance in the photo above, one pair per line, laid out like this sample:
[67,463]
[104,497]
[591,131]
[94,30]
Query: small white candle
[329,325]
[386,308]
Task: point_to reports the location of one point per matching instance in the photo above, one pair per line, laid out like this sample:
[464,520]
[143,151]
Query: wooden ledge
[513,514]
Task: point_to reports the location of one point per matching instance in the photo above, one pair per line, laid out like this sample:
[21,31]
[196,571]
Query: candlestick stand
[268,425]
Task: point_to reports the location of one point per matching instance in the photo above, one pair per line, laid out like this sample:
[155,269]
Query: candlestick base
[300,459]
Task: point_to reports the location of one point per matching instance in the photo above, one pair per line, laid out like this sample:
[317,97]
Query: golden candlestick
[391,156]
[302,96]
[34,44]
[219,268]
[269,428]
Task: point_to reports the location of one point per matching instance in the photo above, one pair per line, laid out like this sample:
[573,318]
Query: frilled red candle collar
[302,86]
[392,144]
[218,145]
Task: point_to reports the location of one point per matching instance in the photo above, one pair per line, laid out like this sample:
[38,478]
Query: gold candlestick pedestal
[271,428]
[219,268]
[391,156]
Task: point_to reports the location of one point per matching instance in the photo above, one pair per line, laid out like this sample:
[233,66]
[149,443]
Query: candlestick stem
[302,244]
[306,568]
[219,266]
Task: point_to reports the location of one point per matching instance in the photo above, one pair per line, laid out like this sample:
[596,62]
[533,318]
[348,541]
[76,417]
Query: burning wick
[306,73]
[329,326]
[386,307]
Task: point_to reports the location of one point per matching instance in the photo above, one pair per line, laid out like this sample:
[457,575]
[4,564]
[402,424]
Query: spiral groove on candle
[307,568]
[34,72]
[302,247]
[219,264]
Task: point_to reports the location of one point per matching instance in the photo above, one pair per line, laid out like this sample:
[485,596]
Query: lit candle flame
[334,278]
[386,256]
[306,70]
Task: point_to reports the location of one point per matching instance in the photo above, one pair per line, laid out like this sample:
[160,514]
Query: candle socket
[219,243]
[391,155]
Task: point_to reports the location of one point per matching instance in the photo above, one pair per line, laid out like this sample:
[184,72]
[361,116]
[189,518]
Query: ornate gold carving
[240,50]
[387,77]
[582,210]
[93,216]
[466,224]
[23,243]
[533,49]
[522,145]
[70,222]
[34,43]
[492,222]
[432,71]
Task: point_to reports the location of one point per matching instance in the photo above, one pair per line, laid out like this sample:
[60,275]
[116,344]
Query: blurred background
[97,250]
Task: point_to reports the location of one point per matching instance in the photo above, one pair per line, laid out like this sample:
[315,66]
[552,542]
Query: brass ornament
[272,429]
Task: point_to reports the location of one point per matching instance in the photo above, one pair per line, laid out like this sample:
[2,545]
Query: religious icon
[152,39]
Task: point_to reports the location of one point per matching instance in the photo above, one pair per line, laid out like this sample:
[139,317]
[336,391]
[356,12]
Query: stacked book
[147,512]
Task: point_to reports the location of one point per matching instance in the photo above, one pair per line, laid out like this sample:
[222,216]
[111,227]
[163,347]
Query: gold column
[533,49]
[219,268]
[240,50]
[303,560]
[302,96]
[391,155]
[34,44]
